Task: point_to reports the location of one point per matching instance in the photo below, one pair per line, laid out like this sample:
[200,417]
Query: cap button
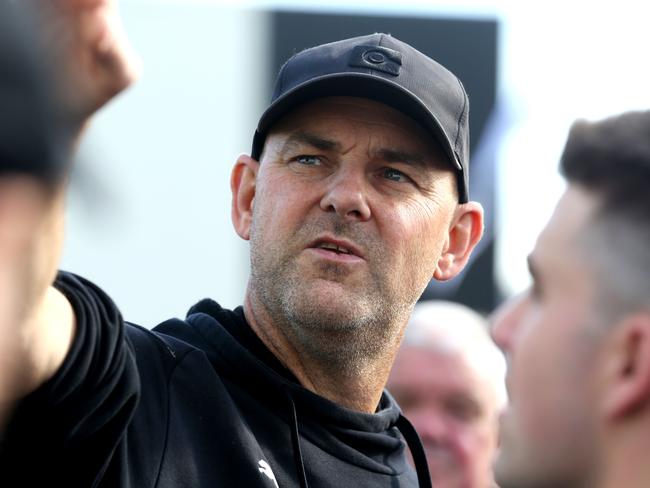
[374,57]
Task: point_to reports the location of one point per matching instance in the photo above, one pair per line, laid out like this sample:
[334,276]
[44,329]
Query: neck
[357,386]
[625,462]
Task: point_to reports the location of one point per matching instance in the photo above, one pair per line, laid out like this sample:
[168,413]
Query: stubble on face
[343,330]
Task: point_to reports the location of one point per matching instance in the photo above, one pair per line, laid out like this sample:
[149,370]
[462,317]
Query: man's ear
[626,386]
[464,233]
[242,186]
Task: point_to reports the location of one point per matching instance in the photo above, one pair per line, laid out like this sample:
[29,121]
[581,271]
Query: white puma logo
[266,469]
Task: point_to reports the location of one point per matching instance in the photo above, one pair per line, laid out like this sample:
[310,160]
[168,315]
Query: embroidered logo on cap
[377,58]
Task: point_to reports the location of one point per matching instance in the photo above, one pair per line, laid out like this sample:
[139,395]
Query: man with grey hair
[449,380]
[578,342]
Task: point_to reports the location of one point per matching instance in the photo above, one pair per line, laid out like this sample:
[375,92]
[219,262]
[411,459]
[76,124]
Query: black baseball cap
[382,68]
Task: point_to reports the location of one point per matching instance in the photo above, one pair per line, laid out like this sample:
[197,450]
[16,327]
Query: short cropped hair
[611,157]
[446,327]
[611,160]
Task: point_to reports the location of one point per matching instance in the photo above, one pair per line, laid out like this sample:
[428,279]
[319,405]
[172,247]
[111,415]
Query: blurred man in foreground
[578,342]
[449,380]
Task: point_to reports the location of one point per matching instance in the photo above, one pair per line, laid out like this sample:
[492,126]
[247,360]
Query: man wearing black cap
[355,196]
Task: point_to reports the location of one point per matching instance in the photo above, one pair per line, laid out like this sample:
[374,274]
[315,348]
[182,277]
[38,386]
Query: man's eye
[395,175]
[464,408]
[308,160]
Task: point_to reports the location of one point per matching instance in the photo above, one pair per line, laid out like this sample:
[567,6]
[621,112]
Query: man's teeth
[334,247]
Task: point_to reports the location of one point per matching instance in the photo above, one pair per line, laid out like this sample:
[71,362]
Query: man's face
[353,205]
[454,410]
[549,337]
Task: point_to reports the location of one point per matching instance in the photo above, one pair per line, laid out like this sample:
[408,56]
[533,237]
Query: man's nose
[347,195]
[505,321]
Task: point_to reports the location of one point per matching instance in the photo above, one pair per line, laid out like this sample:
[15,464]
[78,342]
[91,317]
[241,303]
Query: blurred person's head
[449,380]
[30,129]
[578,342]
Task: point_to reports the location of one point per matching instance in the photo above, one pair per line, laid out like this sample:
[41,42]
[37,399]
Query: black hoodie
[198,402]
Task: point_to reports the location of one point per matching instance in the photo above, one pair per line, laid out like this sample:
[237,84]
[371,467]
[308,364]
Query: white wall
[149,213]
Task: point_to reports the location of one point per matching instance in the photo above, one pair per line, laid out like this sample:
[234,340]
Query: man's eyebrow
[399,156]
[302,137]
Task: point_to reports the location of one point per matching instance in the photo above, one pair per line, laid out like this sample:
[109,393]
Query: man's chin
[329,312]
[335,297]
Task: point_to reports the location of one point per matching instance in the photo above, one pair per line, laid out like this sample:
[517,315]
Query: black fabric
[198,402]
[69,428]
[295,442]
[235,324]
[417,451]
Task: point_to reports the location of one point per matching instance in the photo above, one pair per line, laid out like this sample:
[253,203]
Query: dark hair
[611,158]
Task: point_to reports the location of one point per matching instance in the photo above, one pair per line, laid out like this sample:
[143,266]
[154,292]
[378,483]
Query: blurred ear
[242,186]
[627,367]
[465,232]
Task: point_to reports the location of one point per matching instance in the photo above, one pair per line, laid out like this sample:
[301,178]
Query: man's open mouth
[333,247]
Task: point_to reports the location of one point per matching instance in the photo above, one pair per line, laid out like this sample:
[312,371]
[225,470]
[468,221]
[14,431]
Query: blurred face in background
[455,412]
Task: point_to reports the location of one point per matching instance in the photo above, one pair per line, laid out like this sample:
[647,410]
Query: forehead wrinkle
[299,137]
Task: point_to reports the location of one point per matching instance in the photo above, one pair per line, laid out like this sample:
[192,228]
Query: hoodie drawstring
[417,451]
[295,441]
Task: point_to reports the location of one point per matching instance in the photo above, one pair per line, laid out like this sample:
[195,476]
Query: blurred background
[149,213]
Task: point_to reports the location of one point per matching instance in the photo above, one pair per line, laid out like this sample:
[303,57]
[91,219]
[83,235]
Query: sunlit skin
[31,236]
[547,432]
[454,409]
[356,174]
